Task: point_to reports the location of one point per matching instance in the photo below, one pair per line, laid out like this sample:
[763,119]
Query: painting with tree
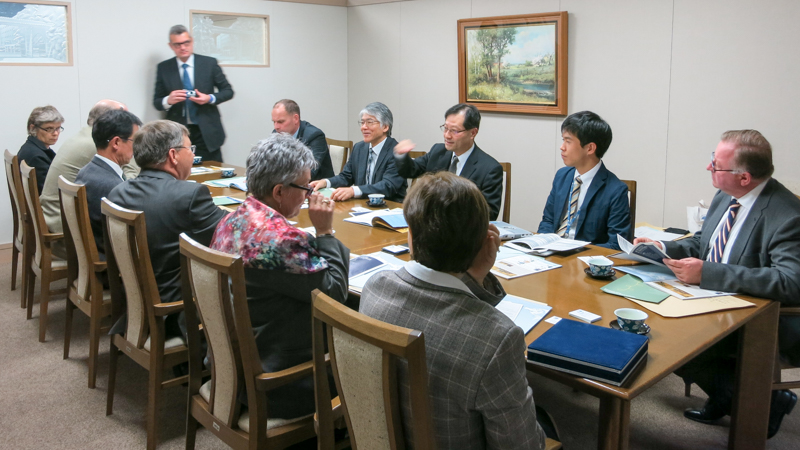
[514,63]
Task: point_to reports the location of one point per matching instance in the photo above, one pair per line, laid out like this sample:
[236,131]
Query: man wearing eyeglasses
[458,154]
[171,205]
[750,244]
[177,78]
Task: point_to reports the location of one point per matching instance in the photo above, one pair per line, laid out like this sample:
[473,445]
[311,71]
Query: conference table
[673,341]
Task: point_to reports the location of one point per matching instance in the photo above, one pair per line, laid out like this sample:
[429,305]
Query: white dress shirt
[190,69]
[431,276]
[371,169]
[462,160]
[747,201]
[586,181]
[112,164]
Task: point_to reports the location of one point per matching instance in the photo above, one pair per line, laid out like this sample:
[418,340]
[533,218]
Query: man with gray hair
[286,119]
[371,168]
[171,205]
[74,154]
[185,90]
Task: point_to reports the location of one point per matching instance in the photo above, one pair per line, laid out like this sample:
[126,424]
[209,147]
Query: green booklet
[632,287]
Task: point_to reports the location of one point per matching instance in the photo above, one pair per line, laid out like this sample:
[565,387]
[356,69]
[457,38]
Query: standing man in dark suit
[587,201]
[185,74]
[458,155]
[171,205]
[371,168]
[111,133]
[749,243]
[286,119]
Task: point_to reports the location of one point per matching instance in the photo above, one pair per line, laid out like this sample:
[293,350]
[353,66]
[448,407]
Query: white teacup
[376,199]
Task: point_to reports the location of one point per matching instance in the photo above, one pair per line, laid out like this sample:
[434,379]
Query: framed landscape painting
[514,64]
[35,33]
[233,39]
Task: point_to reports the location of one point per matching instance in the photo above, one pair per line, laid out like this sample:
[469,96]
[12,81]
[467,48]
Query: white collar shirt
[747,201]
[462,159]
[376,150]
[431,276]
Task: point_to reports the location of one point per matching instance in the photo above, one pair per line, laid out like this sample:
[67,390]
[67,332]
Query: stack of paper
[656,235]
[365,270]
[632,287]
[545,242]
[235,182]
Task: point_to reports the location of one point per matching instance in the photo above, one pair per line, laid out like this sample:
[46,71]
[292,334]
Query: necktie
[724,232]
[454,165]
[187,84]
[369,166]
[569,214]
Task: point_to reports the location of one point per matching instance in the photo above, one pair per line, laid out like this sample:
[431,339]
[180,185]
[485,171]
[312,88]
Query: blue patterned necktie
[191,108]
[369,165]
[724,232]
[563,230]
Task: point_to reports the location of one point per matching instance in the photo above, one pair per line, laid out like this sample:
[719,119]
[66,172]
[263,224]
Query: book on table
[363,267]
[392,219]
[235,182]
[545,244]
[646,252]
[524,312]
[590,351]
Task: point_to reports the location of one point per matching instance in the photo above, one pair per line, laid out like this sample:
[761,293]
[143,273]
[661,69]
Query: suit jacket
[386,180]
[480,168]
[764,260]
[99,179]
[314,138]
[207,76]
[480,398]
[37,155]
[72,156]
[171,207]
[605,211]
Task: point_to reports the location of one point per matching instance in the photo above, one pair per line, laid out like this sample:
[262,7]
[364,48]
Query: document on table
[648,272]
[366,219]
[656,235]
[632,287]
[525,313]
[683,291]
[518,266]
[545,242]
[389,263]
[673,307]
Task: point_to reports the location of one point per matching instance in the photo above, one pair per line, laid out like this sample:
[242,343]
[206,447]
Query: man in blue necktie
[750,244]
[186,74]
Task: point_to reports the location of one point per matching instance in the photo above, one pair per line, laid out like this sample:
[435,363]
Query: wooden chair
[215,281]
[364,353]
[18,213]
[41,261]
[505,197]
[632,189]
[339,151]
[85,271]
[132,282]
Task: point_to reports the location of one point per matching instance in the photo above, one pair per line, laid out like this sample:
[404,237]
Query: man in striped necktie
[749,243]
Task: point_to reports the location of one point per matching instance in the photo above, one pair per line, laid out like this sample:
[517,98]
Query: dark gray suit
[764,262]
[99,179]
[314,138]
[480,168]
[385,180]
[480,398]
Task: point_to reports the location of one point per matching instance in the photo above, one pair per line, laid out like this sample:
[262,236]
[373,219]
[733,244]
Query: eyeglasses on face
[193,148]
[309,190]
[180,44]
[450,130]
[368,122]
[714,166]
[51,130]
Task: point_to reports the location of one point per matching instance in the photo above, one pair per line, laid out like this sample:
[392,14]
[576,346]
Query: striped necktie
[369,165]
[454,165]
[724,232]
[569,214]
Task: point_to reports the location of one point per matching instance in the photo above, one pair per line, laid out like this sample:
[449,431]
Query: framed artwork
[235,40]
[515,64]
[35,33]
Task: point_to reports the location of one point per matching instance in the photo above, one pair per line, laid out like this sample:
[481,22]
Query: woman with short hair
[283,264]
[44,129]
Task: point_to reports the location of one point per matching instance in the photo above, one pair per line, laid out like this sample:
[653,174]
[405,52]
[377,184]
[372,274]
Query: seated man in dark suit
[111,133]
[459,155]
[171,205]
[749,243]
[587,201]
[371,168]
[286,119]
[480,397]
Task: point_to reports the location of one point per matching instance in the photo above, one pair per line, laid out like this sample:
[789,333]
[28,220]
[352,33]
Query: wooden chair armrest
[790,311]
[50,237]
[165,309]
[272,380]
[100,266]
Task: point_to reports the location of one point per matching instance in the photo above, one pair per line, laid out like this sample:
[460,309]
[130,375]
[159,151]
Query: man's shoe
[782,403]
[709,414]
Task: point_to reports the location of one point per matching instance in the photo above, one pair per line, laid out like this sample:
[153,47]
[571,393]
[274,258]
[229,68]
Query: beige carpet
[45,404]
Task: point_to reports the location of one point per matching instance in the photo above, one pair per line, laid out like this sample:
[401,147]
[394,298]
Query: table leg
[614,427]
[757,350]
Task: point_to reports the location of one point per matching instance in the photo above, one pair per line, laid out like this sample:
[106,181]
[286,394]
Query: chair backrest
[505,196]
[15,192]
[208,277]
[128,259]
[81,246]
[32,205]
[632,191]
[339,151]
[364,353]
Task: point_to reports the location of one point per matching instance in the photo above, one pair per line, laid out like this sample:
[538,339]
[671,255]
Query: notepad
[632,287]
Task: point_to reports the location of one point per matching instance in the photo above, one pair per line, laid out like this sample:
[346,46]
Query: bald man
[75,153]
